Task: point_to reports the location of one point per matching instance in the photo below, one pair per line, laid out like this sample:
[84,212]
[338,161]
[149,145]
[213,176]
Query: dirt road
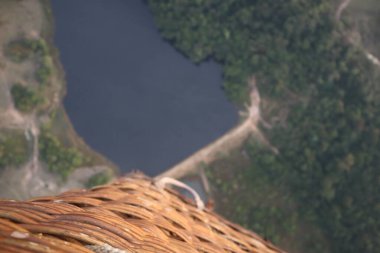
[342,6]
[229,141]
[338,14]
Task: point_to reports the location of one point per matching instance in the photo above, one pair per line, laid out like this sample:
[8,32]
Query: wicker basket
[129,215]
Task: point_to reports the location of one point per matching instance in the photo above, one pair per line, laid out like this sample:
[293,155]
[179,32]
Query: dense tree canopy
[328,146]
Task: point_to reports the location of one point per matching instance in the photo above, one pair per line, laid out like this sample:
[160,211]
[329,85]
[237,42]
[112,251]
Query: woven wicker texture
[129,215]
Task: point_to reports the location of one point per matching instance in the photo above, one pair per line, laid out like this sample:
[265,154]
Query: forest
[328,140]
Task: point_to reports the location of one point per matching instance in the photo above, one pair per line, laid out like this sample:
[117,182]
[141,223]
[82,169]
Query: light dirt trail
[338,14]
[13,119]
[232,139]
[342,6]
[372,58]
[31,167]
[237,135]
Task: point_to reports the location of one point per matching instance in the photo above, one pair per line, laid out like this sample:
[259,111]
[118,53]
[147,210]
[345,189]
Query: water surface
[131,95]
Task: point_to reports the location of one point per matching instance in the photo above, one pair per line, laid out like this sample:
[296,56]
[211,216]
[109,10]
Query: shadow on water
[131,95]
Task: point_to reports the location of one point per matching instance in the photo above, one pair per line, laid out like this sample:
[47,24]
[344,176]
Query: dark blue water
[131,95]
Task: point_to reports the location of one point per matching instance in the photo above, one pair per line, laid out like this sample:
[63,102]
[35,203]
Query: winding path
[338,14]
[11,118]
[342,6]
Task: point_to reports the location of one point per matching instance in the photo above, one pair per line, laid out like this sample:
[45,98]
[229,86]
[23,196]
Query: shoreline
[73,137]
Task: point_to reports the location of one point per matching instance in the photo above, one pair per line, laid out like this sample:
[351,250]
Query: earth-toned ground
[31,20]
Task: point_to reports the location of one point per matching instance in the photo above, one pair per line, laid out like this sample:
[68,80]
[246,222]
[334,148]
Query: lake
[131,95]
